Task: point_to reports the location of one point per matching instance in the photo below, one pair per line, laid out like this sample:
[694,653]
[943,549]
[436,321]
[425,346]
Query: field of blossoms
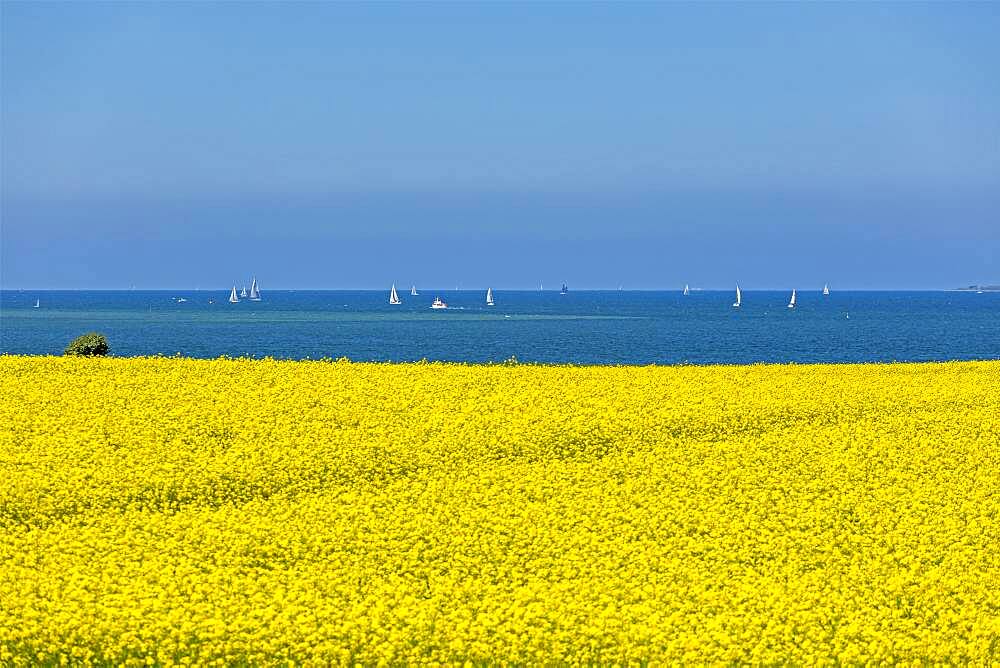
[234,511]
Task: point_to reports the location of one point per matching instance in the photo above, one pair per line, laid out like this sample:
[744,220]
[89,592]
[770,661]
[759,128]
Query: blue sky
[350,145]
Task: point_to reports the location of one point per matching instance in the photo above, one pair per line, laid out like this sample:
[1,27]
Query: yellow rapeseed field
[235,511]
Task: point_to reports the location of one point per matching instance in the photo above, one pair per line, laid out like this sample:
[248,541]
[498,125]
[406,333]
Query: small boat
[180,300]
[243,292]
[38,303]
[489,296]
[233,299]
[687,290]
[791,303]
[739,298]
[393,297]
[254,290]
[564,289]
[413,292]
[826,289]
[438,303]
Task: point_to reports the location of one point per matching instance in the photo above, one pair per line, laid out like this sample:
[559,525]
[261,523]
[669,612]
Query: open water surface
[581,327]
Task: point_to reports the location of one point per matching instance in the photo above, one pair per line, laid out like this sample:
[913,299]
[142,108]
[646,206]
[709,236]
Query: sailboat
[38,303]
[233,299]
[739,298]
[243,292]
[393,297]
[791,304]
[254,290]
[687,290]
[826,289]
[564,289]
[489,296]
[413,291]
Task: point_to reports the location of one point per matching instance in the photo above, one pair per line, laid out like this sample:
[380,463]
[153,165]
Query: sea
[581,327]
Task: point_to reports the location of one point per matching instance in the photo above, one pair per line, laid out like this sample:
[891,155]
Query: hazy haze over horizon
[348,146]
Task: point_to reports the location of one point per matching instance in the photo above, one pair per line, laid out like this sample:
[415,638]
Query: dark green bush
[89,344]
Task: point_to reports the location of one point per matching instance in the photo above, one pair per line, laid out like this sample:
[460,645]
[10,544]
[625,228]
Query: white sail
[413,291]
[243,292]
[739,298]
[254,290]
[791,303]
[826,289]
[38,303]
[232,296]
[393,297]
[687,290]
[489,296]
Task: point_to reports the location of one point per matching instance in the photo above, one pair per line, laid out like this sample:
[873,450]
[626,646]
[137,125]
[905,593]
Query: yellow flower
[185,512]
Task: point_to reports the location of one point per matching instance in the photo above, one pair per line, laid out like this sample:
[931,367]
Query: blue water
[611,327]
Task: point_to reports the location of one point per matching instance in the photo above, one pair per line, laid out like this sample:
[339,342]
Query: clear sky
[329,145]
